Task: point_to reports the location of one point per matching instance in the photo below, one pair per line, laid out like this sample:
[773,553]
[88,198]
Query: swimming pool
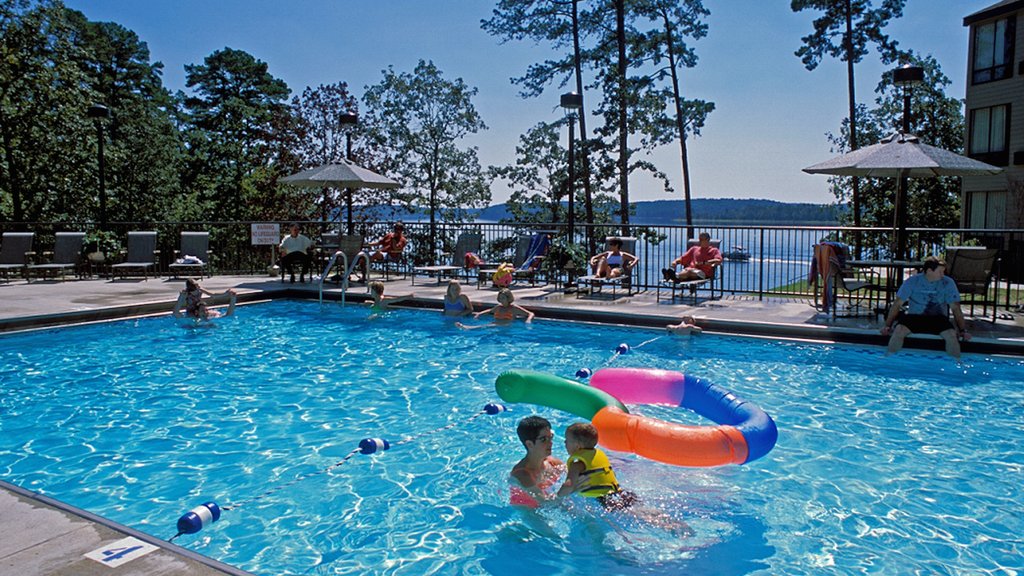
[908,464]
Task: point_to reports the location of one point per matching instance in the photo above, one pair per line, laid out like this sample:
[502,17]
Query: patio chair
[466,242]
[142,254]
[351,245]
[972,269]
[66,255]
[678,289]
[597,283]
[15,252]
[529,255]
[836,276]
[194,255]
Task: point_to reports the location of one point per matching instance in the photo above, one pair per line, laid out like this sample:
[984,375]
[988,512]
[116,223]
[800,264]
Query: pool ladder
[347,271]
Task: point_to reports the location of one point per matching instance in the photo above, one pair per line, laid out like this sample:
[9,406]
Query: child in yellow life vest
[589,472]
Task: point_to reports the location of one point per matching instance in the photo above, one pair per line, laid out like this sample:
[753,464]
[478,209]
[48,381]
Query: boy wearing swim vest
[590,473]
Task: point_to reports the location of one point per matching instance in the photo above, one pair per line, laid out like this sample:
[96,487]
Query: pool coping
[78,564]
[799,332]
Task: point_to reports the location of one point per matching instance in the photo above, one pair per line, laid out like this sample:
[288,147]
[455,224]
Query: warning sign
[266,234]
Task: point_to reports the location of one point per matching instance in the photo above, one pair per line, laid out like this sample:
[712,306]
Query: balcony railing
[778,265]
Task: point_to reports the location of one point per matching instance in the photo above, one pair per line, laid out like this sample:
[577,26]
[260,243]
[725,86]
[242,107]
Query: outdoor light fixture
[99,113]
[348,122]
[572,102]
[906,77]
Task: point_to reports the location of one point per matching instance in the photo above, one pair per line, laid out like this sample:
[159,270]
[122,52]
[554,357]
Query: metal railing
[778,264]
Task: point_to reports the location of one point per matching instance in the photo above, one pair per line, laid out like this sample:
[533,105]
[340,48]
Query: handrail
[347,272]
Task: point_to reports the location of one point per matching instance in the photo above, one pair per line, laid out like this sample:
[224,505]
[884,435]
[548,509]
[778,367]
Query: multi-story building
[995,116]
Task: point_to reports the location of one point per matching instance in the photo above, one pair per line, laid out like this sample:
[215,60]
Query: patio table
[895,272]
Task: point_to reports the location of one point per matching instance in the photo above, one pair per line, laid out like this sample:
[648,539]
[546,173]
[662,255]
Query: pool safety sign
[121,552]
[266,233]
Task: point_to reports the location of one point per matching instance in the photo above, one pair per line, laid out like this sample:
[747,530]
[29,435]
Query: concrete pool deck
[42,303]
[52,538]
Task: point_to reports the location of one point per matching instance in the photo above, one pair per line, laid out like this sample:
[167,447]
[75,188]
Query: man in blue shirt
[929,297]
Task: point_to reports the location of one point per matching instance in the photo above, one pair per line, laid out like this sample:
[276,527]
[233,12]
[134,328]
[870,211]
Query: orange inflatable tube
[667,442]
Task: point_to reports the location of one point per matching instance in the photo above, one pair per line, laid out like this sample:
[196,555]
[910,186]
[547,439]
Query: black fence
[767,261]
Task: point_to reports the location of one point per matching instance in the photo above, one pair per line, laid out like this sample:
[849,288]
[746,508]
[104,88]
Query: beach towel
[538,248]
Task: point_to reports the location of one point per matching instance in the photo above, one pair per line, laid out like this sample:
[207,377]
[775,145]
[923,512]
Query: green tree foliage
[43,99]
[938,121]
[845,30]
[559,23]
[319,138]
[414,124]
[232,127]
[669,52]
[143,150]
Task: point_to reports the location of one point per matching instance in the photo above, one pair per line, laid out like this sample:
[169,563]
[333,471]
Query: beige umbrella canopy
[342,175]
[902,156]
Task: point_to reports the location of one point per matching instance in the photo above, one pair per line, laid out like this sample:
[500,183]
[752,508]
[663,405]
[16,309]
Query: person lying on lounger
[614,262]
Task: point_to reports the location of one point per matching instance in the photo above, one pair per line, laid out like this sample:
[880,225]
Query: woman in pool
[191,298]
[505,312]
[455,302]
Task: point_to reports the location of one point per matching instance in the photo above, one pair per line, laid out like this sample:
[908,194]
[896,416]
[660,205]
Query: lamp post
[571,102]
[348,122]
[99,113]
[906,77]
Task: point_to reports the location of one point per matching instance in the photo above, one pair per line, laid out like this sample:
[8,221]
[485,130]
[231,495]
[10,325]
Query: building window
[990,135]
[986,210]
[993,50]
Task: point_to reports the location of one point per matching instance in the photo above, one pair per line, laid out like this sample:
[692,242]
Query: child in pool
[455,302]
[191,298]
[687,326]
[381,303]
[538,471]
[505,312]
[589,472]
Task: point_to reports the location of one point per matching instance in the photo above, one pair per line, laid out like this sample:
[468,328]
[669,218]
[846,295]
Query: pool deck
[48,537]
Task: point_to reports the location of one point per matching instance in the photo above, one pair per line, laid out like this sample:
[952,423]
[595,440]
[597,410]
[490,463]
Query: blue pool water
[903,465]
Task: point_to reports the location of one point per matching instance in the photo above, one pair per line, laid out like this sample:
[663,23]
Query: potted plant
[99,244]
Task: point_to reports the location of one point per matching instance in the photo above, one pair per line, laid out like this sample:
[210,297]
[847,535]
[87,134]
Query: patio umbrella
[342,175]
[902,156]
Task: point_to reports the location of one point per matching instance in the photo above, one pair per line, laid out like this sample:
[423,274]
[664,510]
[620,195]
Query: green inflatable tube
[554,392]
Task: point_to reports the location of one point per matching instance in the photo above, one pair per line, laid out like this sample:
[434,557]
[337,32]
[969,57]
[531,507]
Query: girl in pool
[191,298]
[455,302]
[687,326]
[505,312]
[381,303]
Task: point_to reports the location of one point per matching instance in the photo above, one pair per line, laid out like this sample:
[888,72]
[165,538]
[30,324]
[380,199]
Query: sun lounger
[467,242]
[67,255]
[594,284]
[691,286]
[15,252]
[194,255]
[142,254]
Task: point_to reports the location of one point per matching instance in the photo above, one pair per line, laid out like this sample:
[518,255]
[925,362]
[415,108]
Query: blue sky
[771,114]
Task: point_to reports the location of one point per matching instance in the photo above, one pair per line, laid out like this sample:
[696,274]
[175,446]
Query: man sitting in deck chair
[698,262]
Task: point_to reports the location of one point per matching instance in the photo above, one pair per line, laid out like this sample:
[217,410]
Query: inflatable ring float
[743,431]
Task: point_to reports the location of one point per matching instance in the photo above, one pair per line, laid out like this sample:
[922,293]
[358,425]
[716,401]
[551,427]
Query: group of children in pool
[190,304]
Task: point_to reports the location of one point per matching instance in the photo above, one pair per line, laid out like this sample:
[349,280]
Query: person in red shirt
[698,262]
[391,245]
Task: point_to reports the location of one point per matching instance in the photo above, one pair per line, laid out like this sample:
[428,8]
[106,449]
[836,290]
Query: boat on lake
[737,253]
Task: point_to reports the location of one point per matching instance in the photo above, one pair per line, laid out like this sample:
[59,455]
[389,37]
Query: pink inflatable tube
[743,433]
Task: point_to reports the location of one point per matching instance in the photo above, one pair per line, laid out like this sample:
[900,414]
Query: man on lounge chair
[698,262]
